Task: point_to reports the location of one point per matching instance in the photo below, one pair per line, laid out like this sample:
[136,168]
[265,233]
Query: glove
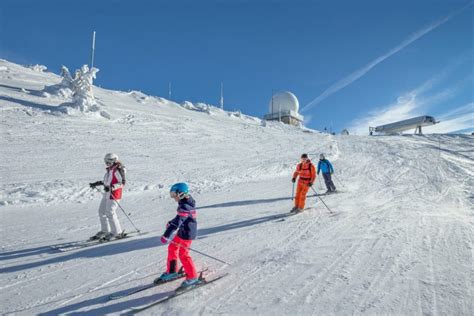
[293,180]
[164,240]
[94,184]
[106,188]
[310,184]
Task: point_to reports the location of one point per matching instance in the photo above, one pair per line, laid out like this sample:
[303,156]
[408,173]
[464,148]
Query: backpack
[309,167]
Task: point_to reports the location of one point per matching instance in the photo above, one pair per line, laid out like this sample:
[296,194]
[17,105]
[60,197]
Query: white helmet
[321,157]
[110,158]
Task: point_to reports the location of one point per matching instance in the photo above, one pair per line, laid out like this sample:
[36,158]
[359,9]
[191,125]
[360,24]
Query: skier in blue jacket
[186,225]
[326,167]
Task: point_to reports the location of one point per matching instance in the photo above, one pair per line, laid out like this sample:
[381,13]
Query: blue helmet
[179,189]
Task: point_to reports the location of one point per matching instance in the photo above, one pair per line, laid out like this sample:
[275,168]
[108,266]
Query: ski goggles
[179,195]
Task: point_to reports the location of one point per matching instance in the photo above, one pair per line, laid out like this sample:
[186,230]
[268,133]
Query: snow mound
[38,68]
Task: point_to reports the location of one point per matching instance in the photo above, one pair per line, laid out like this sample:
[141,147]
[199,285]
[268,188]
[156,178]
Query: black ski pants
[329,184]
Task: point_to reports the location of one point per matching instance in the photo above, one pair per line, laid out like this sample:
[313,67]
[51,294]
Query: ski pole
[128,217]
[339,181]
[322,200]
[205,243]
[137,230]
[199,252]
[293,192]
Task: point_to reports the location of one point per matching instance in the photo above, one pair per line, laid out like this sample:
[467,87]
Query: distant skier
[326,167]
[114,181]
[186,224]
[307,174]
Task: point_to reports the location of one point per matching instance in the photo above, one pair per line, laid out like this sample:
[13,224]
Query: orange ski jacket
[306,172]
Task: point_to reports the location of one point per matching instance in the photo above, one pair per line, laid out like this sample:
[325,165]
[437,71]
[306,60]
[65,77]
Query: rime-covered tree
[66,77]
[82,94]
[62,89]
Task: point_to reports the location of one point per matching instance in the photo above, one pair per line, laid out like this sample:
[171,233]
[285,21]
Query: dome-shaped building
[284,107]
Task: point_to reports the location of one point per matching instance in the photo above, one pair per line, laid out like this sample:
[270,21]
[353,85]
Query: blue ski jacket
[325,166]
[185,222]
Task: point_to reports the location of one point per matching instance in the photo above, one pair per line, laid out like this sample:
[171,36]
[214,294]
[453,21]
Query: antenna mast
[222,95]
[272,105]
[93,50]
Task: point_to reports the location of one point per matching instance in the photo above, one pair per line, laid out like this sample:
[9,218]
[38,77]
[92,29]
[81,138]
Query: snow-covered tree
[82,89]
[200,107]
[188,105]
[82,94]
[66,77]
[62,89]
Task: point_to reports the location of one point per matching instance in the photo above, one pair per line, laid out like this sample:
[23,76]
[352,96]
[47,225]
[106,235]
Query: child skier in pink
[186,224]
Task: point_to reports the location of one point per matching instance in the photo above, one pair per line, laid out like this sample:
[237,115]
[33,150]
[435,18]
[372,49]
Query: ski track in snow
[400,241]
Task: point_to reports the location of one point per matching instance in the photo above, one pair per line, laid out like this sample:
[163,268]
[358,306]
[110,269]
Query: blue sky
[350,63]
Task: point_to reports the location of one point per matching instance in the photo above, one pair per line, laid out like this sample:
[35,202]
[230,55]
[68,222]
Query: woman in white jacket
[114,181]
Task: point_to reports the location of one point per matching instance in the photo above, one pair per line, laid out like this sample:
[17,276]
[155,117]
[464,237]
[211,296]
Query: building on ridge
[283,107]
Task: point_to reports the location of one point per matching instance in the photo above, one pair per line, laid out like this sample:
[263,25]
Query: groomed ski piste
[400,241]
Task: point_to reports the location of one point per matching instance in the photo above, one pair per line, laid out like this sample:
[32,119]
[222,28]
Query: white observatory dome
[284,102]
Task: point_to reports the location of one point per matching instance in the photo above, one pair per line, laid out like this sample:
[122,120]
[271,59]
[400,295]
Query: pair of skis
[74,245]
[177,292]
[181,275]
[284,216]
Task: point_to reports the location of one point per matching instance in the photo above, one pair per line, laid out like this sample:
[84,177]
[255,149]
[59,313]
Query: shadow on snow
[108,249]
[118,307]
[42,107]
[248,202]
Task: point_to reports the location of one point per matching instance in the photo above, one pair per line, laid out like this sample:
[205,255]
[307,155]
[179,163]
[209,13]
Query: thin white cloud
[362,71]
[459,119]
[463,122]
[405,107]
[462,110]
[410,104]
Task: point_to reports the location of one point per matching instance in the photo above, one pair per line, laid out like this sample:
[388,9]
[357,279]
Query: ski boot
[97,236]
[167,277]
[106,237]
[121,235]
[189,284]
[294,209]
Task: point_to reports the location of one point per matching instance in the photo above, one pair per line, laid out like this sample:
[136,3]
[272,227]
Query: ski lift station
[415,123]
[284,108]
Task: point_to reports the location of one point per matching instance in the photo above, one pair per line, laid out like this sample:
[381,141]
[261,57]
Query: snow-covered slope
[400,242]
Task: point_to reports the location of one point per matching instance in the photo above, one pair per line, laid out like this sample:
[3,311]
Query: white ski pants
[109,222]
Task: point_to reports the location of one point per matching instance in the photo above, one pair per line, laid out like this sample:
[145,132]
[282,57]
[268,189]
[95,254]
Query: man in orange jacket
[307,174]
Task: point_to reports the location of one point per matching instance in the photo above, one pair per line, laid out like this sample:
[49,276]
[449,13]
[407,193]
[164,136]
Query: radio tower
[222,96]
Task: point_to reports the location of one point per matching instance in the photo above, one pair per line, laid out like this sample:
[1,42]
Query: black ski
[284,216]
[176,293]
[75,245]
[88,243]
[147,286]
[136,290]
